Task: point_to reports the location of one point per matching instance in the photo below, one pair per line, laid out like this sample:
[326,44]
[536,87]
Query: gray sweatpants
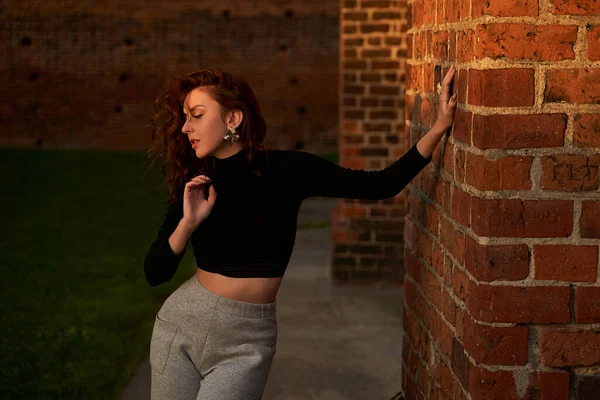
[207,347]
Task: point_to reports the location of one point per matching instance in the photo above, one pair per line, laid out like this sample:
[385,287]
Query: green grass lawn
[77,312]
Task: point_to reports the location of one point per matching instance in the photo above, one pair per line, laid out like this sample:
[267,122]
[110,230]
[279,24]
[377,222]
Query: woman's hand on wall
[447,106]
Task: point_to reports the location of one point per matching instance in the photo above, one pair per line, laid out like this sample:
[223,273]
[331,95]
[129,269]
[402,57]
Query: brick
[509,87]
[440,45]
[461,207]
[432,219]
[424,245]
[443,375]
[495,345]
[426,118]
[395,41]
[355,16]
[353,42]
[568,263]
[428,77]
[348,89]
[587,304]
[461,86]
[575,7]
[461,285]
[491,385]
[589,222]
[379,53]
[521,218]
[379,15]
[570,172]
[449,308]
[594,43]
[462,126]
[394,65]
[519,131]
[375,4]
[498,262]
[452,240]
[548,385]
[565,85]
[569,347]
[372,28]
[442,194]
[384,90]
[504,173]
[457,10]
[355,65]
[586,130]
[465,46]
[542,305]
[586,387]
[524,8]
[526,42]
[460,362]
[459,165]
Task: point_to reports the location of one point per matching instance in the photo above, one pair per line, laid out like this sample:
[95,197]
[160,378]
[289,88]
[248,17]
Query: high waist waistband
[230,306]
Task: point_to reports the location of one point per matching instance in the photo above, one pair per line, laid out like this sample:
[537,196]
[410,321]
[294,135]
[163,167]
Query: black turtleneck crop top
[251,229]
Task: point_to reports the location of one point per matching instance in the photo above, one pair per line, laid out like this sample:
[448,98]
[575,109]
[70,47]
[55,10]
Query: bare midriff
[250,290]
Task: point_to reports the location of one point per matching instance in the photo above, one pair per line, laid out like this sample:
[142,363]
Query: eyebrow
[196,106]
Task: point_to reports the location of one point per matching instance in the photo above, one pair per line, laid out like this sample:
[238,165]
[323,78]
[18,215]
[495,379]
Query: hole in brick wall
[123,77]
[26,41]
[39,142]
[118,108]
[34,76]
[289,13]
[128,41]
[226,14]
[283,48]
[302,110]
[294,80]
[299,145]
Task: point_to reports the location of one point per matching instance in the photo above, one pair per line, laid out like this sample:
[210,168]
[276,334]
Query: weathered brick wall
[368,234]
[84,74]
[502,294]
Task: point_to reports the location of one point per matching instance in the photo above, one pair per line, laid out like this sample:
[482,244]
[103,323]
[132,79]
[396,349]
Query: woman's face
[205,124]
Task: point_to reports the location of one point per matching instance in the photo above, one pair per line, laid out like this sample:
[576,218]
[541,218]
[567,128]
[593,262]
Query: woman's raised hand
[195,207]
[447,106]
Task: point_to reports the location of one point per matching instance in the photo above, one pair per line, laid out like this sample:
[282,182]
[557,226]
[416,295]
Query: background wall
[84,74]
[502,292]
[368,234]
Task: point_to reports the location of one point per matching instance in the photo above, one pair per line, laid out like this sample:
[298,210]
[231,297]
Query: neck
[228,150]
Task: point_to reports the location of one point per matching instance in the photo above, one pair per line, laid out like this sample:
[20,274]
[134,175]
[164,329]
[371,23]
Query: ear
[235,117]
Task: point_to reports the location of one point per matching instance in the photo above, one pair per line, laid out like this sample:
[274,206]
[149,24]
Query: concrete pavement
[334,342]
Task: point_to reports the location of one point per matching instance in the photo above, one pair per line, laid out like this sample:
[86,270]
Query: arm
[427,144]
[165,254]
[315,176]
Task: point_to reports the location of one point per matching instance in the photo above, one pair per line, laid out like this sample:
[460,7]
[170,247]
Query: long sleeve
[161,262]
[318,177]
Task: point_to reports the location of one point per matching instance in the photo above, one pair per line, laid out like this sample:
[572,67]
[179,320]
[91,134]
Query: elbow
[152,272]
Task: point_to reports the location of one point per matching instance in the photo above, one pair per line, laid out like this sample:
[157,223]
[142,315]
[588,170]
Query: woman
[216,335]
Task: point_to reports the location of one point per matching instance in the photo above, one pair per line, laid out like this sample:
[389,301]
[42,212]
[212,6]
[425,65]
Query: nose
[185,128]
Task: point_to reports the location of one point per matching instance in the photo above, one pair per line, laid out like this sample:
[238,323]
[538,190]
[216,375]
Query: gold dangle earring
[231,136]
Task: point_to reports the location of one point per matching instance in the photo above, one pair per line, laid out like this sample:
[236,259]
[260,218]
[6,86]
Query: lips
[193,141]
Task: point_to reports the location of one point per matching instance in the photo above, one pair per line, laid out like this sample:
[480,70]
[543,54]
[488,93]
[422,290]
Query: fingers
[212,195]
[445,90]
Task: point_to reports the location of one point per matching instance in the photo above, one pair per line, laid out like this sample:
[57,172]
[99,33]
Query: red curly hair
[171,149]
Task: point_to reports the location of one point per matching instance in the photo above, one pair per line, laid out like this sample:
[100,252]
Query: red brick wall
[368,234]
[502,287]
[84,74]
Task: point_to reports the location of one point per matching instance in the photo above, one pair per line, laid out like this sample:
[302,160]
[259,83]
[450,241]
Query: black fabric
[252,227]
